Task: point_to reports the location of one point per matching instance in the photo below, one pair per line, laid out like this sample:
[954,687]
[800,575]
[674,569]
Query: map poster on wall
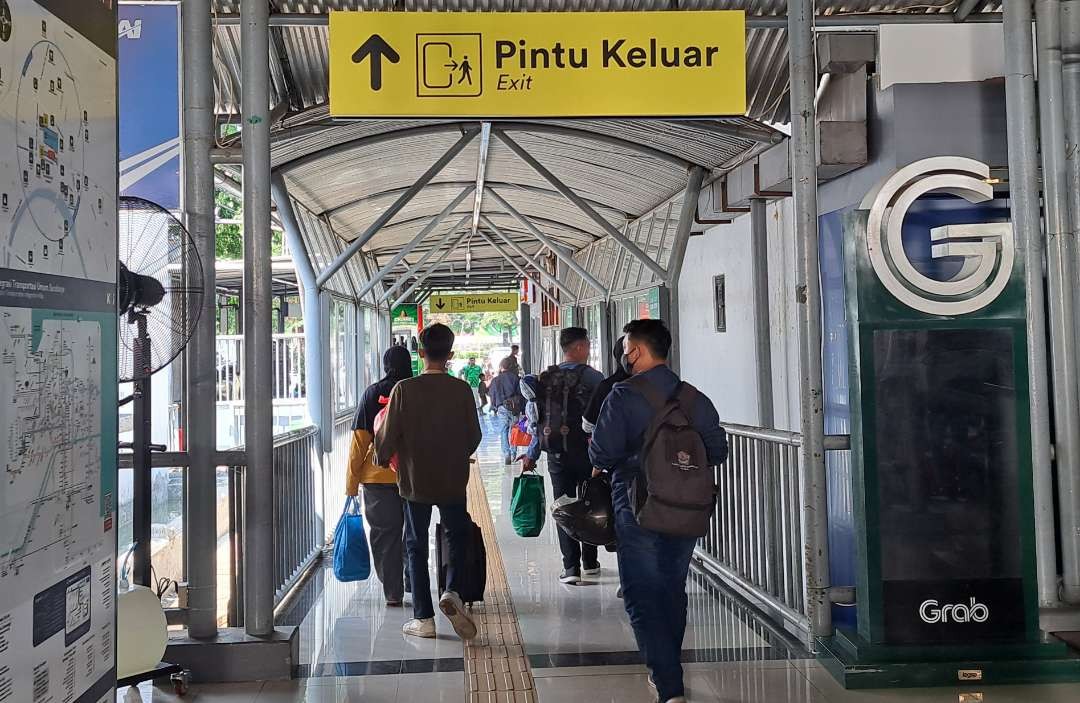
[58,389]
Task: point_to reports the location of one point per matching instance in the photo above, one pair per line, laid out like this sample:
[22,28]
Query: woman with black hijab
[383,507]
[596,402]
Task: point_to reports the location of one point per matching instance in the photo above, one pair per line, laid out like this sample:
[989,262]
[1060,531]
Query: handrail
[282,439]
[294,435]
[791,439]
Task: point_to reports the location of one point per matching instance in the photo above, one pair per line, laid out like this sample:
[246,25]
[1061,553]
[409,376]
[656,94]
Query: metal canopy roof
[344,174]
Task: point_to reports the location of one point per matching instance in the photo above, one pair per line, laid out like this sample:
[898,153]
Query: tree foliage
[230,240]
[230,237]
[486,323]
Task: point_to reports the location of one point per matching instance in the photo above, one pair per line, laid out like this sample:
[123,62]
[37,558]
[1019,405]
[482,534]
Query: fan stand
[142,448]
[142,494]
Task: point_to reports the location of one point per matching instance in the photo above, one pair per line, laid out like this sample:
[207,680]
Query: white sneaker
[424,627]
[591,572]
[452,607]
[680,699]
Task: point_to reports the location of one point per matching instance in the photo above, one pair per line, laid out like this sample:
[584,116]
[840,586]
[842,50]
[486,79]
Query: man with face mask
[653,566]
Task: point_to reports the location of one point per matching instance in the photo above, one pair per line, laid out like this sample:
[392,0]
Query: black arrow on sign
[440,305]
[377,48]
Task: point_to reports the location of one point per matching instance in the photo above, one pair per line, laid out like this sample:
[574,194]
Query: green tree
[229,239]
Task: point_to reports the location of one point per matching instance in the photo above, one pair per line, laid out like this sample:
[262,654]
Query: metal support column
[1070,49]
[1020,111]
[1060,283]
[802,63]
[759,275]
[550,243]
[415,242]
[582,205]
[423,259]
[525,325]
[200,516]
[759,260]
[258,340]
[403,199]
[314,373]
[678,253]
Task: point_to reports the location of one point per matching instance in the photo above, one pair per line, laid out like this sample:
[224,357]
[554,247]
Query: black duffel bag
[588,518]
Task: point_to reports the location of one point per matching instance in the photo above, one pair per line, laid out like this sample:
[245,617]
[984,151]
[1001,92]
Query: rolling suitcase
[474,579]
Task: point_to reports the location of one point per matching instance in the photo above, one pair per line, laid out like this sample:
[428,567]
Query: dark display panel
[945,440]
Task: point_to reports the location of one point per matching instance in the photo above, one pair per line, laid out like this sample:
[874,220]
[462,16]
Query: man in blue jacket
[568,388]
[653,567]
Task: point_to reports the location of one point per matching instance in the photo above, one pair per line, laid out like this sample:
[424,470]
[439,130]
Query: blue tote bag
[352,560]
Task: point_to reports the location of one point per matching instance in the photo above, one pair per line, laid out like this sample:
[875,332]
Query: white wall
[940,53]
[723,364]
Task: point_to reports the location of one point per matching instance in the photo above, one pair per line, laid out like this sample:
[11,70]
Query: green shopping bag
[529,504]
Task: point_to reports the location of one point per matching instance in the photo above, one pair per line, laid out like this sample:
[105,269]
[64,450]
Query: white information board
[58,389]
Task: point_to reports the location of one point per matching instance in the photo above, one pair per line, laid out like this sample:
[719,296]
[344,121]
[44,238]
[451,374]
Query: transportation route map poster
[57,146]
[58,387]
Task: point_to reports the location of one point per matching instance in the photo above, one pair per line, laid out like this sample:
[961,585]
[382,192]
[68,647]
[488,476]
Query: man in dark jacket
[508,403]
[568,465]
[653,567]
[383,507]
[431,424]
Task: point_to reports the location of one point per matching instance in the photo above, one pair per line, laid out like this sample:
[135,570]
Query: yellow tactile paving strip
[496,669]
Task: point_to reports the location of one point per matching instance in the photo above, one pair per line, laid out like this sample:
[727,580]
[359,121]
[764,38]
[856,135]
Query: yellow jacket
[362,466]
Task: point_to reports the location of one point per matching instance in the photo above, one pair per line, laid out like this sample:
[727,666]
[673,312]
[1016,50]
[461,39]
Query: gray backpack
[675,491]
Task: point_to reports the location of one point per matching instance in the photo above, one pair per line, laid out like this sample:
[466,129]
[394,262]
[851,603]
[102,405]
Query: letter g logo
[929,612]
[988,250]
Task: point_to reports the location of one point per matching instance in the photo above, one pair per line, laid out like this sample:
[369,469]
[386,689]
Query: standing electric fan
[159,298]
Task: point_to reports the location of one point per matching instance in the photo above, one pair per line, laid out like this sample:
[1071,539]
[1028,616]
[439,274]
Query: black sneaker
[572,575]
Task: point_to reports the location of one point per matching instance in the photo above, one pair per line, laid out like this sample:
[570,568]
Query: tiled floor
[577,640]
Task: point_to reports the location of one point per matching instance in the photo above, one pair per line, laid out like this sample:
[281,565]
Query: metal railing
[299,514]
[288,362]
[755,543]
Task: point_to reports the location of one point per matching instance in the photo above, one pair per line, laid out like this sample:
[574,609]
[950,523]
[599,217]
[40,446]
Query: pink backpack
[380,418]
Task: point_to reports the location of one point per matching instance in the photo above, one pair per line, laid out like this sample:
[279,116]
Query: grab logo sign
[987,250]
[932,613]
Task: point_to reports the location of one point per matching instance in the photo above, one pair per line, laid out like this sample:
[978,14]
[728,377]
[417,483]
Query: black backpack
[675,491]
[561,402]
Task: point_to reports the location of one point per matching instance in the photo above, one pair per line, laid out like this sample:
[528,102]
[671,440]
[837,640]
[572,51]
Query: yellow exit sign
[545,64]
[474,302]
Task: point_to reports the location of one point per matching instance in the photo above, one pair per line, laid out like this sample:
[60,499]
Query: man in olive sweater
[432,426]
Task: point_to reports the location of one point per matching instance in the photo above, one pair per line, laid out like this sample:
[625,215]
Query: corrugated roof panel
[625,167]
[766,49]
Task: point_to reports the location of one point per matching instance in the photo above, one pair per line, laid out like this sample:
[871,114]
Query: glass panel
[224,546]
[167,527]
[596,349]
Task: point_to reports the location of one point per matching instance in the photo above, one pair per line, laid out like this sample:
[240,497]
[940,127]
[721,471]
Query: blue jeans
[653,569]
[455,522]
[506,421]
